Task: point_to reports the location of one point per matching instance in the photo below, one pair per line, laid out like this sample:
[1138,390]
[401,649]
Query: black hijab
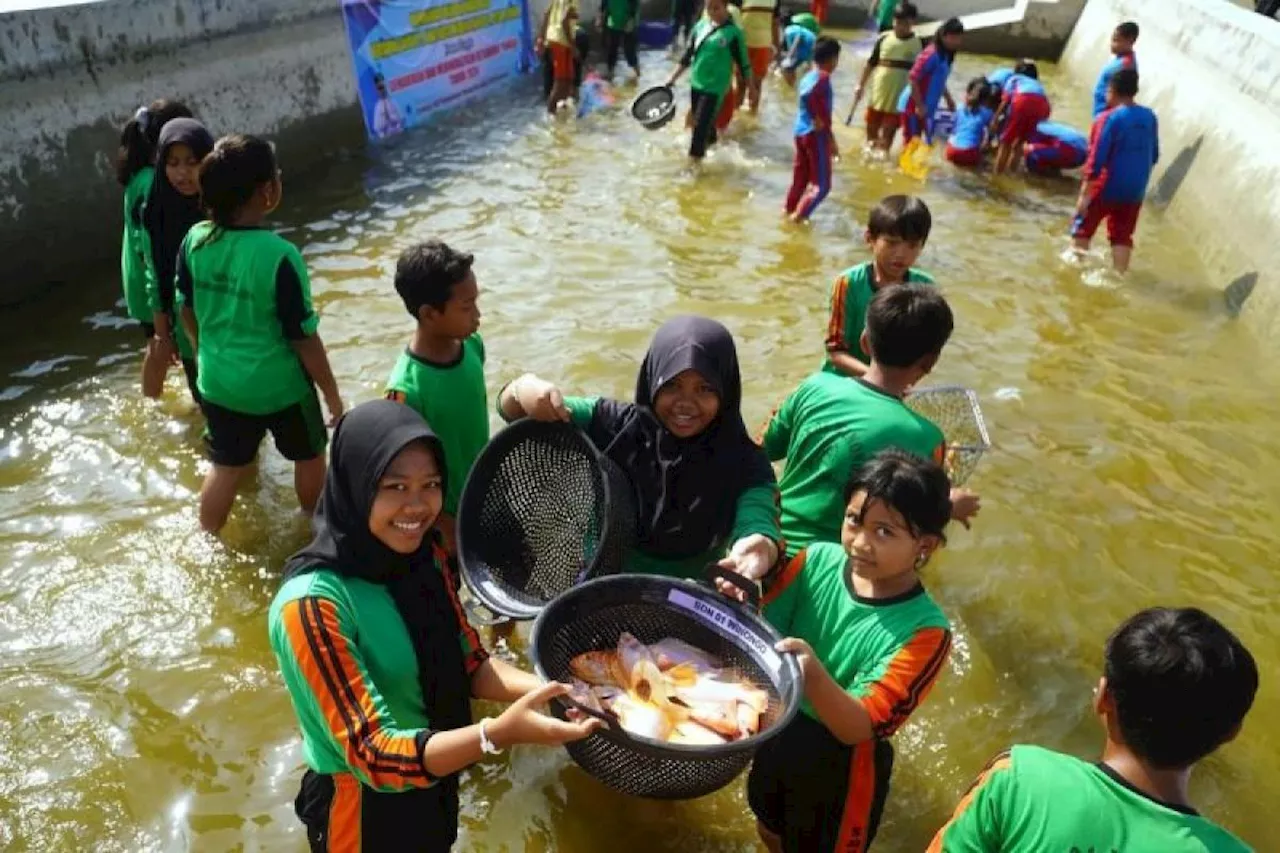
[170,214]
[687,490]
[365,442]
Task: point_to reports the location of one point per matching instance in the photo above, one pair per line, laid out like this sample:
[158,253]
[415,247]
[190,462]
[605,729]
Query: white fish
[670,652]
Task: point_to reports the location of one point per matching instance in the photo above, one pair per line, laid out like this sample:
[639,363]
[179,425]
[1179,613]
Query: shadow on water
[1174,176]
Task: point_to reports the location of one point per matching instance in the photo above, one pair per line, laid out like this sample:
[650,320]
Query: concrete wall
[71,75]
[1211,71]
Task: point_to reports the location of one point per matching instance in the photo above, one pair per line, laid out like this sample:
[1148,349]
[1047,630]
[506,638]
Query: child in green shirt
[832,424]
[246,306]
[871,643]
[1176,685]
[715,48]
[896,232]
[440,375]
[136,172]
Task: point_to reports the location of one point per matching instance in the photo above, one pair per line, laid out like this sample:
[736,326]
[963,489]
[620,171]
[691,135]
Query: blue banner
[413,57]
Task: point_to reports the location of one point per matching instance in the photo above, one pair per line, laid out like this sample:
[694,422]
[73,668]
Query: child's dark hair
[787,19]
[826,50]
[1128,30]
[991,95]
[232,172]
[1125,82]
[1181,682]
[1027,68]
[903,216]
[907,11]
[907,322]
[140,134]
[950,27]
[912,486]
[427,273]
[978,86]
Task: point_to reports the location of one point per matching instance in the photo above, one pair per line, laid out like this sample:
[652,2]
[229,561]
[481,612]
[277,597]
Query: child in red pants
[1025,105]
[815,144]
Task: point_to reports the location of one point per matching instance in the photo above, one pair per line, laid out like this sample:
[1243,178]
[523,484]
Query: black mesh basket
[542,510]
[651,607]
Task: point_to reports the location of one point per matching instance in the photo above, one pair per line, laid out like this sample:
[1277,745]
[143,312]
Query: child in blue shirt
[1025,105]
[815,145]
[798,43]
[1123,147]
[1122,56]
[1054,147]
[967,141]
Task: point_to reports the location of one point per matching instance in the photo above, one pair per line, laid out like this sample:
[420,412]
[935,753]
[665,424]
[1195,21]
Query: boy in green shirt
[896,232]
[1176,685]
[619,19]
[716,46]
[833,424]
[440,375]
[871,643]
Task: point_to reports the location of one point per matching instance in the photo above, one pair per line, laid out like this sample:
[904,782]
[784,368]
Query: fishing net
[955,411]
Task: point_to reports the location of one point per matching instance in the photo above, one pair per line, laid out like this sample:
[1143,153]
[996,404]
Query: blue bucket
[657,34]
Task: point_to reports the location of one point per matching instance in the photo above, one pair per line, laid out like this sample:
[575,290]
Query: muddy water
[1135,430]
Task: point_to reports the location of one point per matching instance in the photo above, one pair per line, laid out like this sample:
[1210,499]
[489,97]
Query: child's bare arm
[315,360]
[847,364]
[844,716]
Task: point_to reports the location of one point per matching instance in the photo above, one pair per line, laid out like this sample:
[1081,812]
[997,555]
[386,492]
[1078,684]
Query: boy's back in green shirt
[1032,799]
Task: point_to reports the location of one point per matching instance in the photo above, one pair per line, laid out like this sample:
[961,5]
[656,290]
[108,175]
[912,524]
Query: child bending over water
[715,49]
[246,303]
[136,172]
[968,140]
[871,643]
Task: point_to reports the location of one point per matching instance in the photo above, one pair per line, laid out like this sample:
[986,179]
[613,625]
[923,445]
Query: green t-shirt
[1031,799]
[352,676]
[884,652]
[251,296]
[850,296]
[134,246]
[827,429]
[712,52]
[756,512]
[452,400]
[621,14]
[884,14]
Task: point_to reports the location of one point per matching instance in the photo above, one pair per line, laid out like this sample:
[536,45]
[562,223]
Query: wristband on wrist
[487,746]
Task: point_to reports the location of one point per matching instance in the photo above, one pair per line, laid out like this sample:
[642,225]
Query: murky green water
[1136,450]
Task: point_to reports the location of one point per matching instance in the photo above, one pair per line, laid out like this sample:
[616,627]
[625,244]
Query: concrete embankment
[1211,71]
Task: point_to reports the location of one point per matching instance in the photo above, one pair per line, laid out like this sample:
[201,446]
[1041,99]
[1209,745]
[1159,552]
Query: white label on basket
[725,622]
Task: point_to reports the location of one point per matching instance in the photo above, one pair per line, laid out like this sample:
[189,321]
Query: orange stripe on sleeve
[785,577]
[382,755]
[396,396]
[474,652]
[344,815]
[855,820]
[906,680]
[835,327]
[1003,761]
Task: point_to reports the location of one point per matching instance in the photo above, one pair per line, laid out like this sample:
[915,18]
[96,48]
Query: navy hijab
[686,490]
[170,214]
[365,442]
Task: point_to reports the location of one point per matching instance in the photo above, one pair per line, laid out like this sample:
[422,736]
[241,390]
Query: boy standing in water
[557,37]
[440,375]
[1123,147]
[1122,56]
[717,46]
[620,18]
[896,233]
[887,68]
[834,424]
[1176,685]
[815,143]
[1024,106]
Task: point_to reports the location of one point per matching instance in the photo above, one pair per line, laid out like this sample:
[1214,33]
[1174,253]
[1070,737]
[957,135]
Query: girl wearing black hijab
[173,206]
[378,659]
[702,486]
